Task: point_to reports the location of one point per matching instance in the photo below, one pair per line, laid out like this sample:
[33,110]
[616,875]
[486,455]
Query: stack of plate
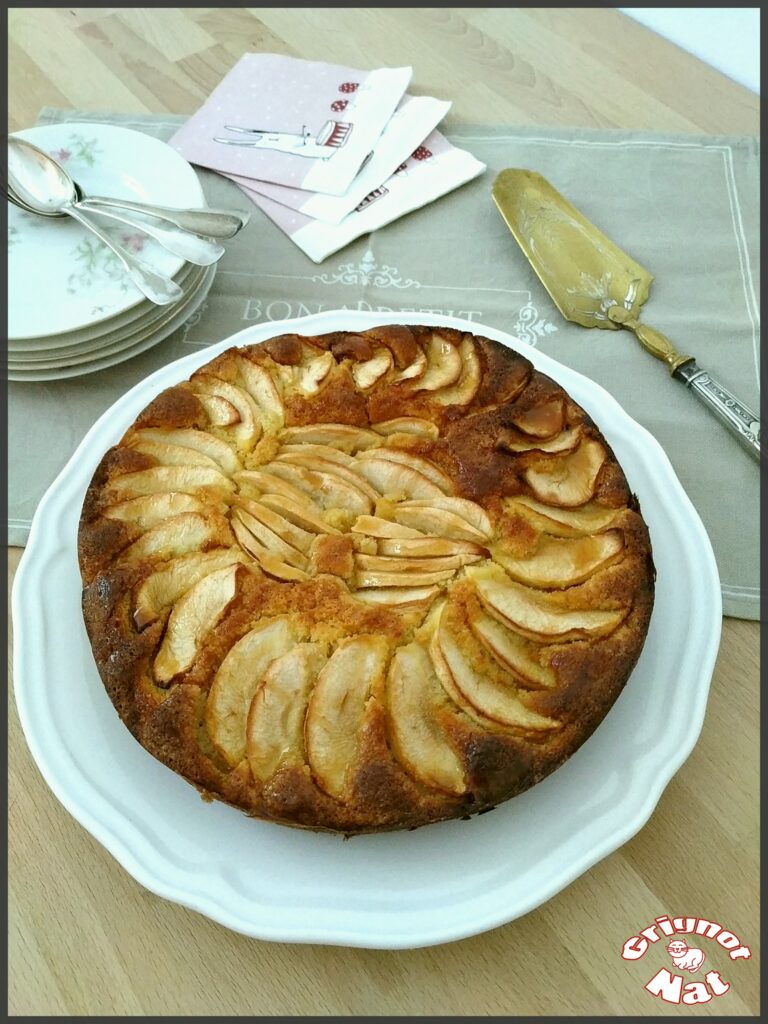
[72,308]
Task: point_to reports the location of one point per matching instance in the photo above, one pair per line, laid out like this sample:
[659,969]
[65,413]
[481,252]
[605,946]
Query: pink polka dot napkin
[433,169]
[411,123]
[304,124]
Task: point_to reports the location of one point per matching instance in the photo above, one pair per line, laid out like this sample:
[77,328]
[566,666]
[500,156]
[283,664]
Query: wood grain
[85,939]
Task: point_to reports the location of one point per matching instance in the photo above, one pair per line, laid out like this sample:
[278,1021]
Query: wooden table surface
[85,939]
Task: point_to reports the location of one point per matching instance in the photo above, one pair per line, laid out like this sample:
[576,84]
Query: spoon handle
[157,287]
[199,251]
[214,223]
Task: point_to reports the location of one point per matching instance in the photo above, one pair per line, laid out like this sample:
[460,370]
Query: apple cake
[364,581]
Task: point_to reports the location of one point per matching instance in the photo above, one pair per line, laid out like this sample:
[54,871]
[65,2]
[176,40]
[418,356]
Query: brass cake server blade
[594,284]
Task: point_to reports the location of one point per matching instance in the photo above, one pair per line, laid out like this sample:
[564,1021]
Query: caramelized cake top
[364,581]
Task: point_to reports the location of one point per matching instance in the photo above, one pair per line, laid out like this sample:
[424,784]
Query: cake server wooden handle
[737,417]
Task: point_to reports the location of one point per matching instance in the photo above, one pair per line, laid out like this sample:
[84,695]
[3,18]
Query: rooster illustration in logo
[684,958]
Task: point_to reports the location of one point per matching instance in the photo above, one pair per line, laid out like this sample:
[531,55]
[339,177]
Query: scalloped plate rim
[119,834]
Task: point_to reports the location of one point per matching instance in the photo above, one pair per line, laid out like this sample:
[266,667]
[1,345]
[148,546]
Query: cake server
[594,284]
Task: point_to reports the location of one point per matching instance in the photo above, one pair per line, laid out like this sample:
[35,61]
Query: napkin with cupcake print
[327,152]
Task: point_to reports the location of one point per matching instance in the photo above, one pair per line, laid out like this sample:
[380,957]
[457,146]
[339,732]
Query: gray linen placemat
[686,207]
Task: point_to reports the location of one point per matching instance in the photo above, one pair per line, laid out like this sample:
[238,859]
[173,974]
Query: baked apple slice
[164,587]
[328,490]
[275,724]
[268,539]
[221,413]
[289,533]
[236,681]
[543,420]
[559,563]
[511,650]
[413,698]
[374,526]
[437,522]
[260,386]
[310,377]
[443,672]
[197,440]
[194,615]
[247,429]
[392,478]
[393,596]
[268,561]
[414,370]
[274,566]
[471,512]
[377,578]
[151,509]
[532,614]
[431,547]
[172,454]
[320,465]
[565,441]
[408,425]
[563,522]
[302,514]
[269,483]
[336,709]
[423,466]
[568,480]
[444,365]
[207,484]
[384,563]
[320,451]
[466,387]
[186,532]
[337,435]
[367,373]
[479,694]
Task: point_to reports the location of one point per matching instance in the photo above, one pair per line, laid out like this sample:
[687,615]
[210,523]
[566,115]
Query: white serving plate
[61,276]
[397,890]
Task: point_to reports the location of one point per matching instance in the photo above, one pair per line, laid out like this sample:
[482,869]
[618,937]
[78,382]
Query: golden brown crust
[175,407]
[361,582]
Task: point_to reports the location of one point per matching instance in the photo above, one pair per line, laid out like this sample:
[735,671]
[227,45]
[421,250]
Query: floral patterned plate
[61,277]
[143,338]
[59,346]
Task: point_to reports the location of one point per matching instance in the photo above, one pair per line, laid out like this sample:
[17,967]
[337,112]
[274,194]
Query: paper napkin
[412,122]
[293,122]
[435,168]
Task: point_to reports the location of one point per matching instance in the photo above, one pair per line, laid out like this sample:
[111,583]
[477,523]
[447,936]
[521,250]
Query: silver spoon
[214,223]
[200,251]
[13,198]
[46,188]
